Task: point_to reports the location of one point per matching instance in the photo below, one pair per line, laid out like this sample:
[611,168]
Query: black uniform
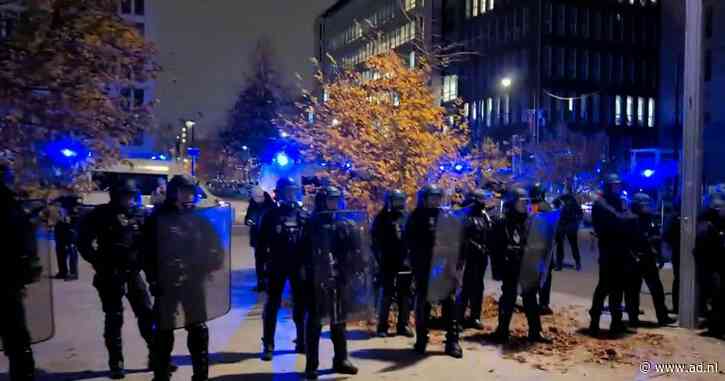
[710,261]
[571,218]
[19,267]
[110,240]
[66,237]
[646,249]
[477,230]
[253,219]
[181,282]
[395,273]
[508,240]
[280,244]
[612,223]
[420,233]
[327,275]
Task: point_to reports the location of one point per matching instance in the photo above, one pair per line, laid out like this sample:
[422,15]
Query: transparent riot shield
[445,274]
[38,296]
[342,266]
[194,266]
[539,249]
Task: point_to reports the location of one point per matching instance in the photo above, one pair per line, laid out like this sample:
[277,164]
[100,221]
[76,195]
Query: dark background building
[671,84]
[585,65]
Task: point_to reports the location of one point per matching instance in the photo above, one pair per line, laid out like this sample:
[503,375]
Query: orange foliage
[391,128]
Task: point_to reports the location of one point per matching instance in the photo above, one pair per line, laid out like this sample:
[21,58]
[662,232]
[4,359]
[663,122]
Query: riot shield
[539,249]
[445,275]
[342,266]
[38,296]
[194,266]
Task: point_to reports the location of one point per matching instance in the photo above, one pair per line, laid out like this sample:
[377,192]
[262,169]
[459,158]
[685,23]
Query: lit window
[474,113]
[489,111]
[571,104]
[640,111]
[466,107]
[474,9]
[630,110]
[468,8]
[618,110]
[450,87]
[651,113]
[490,4]
[411,60]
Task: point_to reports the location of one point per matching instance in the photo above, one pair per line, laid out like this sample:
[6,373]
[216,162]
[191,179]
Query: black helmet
[537,192]
[612,178]
[395,199]
[323,195]
[640,201]
[123,188]
[479,195]
[177,183]
[285,182]
[513,196]
[428,191]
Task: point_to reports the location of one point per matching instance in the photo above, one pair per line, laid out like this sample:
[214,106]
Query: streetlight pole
[691,160]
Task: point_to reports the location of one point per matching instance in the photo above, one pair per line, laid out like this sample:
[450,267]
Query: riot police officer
[477,229]
[66,236]
[330,255]
[110,240]
[390,252]
[646,249]
[281,252]
[537,193]
[19,266]
[179,258]
[709,249]
[421,237]
[508,243]
[612,223]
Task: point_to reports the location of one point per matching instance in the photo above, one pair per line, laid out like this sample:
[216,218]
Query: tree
[252,120]
[569,157]
[472,169]
[377,134]
[62,76]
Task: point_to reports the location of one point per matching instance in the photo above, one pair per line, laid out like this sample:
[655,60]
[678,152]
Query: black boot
[163,344]
[198,343]
[453,348]
[405,331]
[535,337]
[594,324]
[500,336]
[344,367]
[267,351]
[340,363]
[22,365]
[114,345]
[300,340]
[421,343]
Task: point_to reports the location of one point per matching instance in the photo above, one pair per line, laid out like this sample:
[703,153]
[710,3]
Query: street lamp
[506,82]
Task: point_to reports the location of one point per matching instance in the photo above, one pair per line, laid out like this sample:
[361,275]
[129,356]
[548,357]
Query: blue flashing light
[283,134]
[67,152]
[442,168]
[459,167]
[281,159]
[162,157]
[348,165]
[648,173]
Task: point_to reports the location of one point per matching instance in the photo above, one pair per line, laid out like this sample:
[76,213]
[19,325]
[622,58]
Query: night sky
[205,48]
